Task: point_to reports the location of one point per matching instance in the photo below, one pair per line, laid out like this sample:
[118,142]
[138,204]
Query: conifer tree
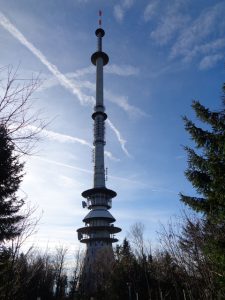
[206,169]
[206,172]
[10,179]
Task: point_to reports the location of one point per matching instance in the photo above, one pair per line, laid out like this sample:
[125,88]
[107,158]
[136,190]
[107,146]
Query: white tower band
[98,232]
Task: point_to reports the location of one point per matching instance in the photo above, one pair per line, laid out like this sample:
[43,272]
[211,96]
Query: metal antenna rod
[100,18]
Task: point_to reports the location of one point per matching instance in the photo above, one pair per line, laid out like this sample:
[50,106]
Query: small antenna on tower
[100,18]
[106,174]
[93,155]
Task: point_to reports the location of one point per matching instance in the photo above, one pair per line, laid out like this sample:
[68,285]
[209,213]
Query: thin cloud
[119,13]
[119,137]
[63,165]
[210,47]
[63,138]
[122,70]
[81,72]
[63,80]
[209,61]
[120,101]
[150,10]
[123,103]
[168,29]
[127,3]
[200,29]
[110,156]
[120,9]
[171,20]
[119,70]
[188,37]
[155,216]
[123,179]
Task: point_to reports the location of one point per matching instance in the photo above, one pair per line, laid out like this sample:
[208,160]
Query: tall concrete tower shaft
[98,232]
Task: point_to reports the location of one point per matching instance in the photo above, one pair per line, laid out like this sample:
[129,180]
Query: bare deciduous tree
[136,236]
[16,114]
[13,267]
[77,271]
[184,241]
[59,268]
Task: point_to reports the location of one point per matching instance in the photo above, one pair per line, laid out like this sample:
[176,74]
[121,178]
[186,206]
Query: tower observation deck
[99,231]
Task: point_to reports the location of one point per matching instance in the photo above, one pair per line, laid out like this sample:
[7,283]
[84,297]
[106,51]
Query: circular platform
[94,191]
[91,229]
[88,240]
[101,54]
[99,214]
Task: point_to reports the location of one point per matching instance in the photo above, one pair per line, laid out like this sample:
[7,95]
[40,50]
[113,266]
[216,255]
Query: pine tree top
[206,163]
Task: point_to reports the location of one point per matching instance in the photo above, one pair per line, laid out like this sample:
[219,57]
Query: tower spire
[100,18]
[98,233]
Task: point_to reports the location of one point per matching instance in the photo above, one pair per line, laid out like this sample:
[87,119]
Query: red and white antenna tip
[100,18]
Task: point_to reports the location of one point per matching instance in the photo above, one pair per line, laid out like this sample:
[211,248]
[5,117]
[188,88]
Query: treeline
[35,275]
[189,264]
[178,269]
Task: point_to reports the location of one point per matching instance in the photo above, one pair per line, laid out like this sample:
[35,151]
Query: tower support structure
[99,231]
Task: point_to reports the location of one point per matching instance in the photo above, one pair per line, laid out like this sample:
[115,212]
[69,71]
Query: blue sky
[163,54]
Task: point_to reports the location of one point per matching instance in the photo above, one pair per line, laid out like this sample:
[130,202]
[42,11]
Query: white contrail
[63,80]
[120,101]
[64,165]
[124,179]
[119,70]
[65,138]
[119,137]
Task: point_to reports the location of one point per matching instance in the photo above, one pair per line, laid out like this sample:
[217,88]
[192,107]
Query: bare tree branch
[16,109]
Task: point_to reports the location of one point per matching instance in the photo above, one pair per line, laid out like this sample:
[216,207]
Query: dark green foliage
[10,204]
[10,179]
[150,277]
[206,172]
[124,272]
[27,277]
